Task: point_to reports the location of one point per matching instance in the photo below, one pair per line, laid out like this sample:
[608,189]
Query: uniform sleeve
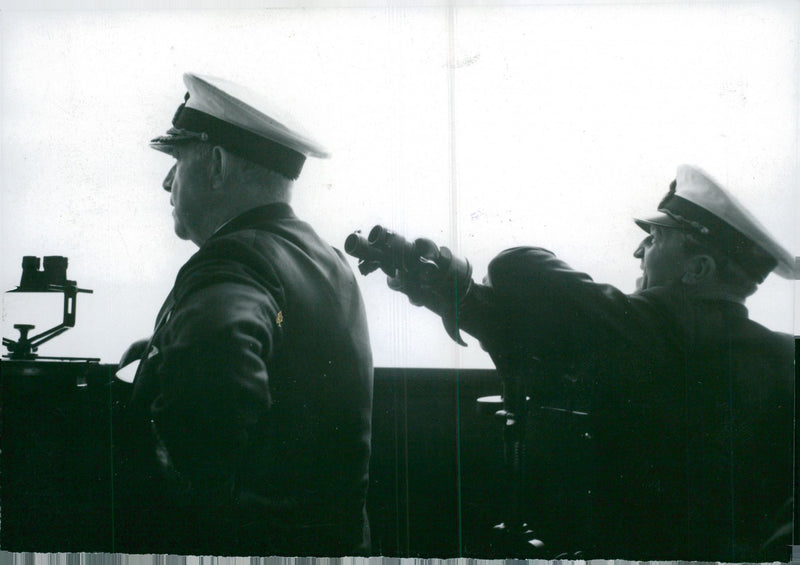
[212,373]
[533,305]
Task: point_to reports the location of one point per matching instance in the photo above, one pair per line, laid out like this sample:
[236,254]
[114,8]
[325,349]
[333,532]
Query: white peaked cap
[242,121]
[698,203]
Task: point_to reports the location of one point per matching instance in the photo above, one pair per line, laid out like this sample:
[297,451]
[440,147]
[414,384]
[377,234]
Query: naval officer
[248,429]
[689,435]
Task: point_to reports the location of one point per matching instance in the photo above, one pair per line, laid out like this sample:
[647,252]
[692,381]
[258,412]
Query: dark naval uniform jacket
[686,449]
[248,428]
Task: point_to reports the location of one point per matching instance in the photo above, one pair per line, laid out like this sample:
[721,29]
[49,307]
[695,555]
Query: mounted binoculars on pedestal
[51,278]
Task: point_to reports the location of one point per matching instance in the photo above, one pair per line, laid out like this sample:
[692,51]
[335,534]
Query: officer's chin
[180,229]
[641,283]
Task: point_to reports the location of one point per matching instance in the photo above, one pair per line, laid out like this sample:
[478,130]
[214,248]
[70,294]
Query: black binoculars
[54,273]
[386,250]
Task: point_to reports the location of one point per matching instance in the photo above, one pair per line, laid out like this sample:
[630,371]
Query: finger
[395,283]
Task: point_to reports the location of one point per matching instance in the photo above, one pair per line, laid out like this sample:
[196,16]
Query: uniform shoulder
[778,342]
[232,258]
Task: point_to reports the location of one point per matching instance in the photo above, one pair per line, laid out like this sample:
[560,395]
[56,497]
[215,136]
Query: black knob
[23,330]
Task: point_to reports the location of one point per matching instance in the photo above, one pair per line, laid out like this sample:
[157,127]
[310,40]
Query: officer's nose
[167,184]
[639,253]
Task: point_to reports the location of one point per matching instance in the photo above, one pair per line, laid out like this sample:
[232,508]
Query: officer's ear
[220,167]
[699,268]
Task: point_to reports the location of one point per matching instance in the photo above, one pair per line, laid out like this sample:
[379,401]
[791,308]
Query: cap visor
[174,136]
[662,220]
[165,143]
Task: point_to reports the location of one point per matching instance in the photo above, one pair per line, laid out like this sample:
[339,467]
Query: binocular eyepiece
[54,273]
[368,250]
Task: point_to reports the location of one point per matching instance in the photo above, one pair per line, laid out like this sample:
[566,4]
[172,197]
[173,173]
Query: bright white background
[481,127]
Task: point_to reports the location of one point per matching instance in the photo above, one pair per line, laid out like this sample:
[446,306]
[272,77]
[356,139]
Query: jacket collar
[684,294]
[255,217]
